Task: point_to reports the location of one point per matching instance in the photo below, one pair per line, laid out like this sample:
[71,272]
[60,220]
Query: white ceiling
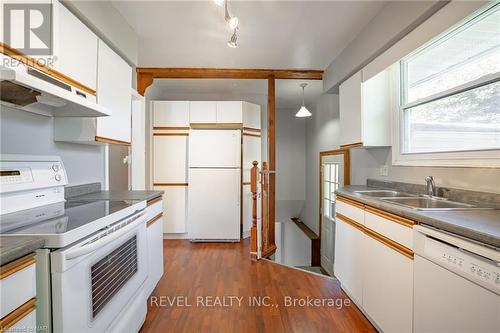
[273,34]
[288,92]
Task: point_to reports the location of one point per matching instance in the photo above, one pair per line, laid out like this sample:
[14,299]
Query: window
[450,93]
[331,183]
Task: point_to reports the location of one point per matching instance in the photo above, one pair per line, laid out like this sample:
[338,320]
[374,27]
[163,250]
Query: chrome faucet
[431,187]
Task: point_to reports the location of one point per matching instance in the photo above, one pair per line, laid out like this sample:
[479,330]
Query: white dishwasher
[456,284]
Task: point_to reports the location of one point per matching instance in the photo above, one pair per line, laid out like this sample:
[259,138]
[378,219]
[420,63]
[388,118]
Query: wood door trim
[378,237]
[18,314]
[154,220]
[350,202]
[170,128]
[170,184]
[154,200]
[195,125]
[21,57]
[17,265]
[251,134]
[251,129]
[352,145]
[170,134]
[112,141]
[389,216]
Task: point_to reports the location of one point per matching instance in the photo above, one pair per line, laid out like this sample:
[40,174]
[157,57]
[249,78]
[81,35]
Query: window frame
[465,158]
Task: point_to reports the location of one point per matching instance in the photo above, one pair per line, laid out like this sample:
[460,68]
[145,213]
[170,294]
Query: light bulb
[219,3]
[233,23]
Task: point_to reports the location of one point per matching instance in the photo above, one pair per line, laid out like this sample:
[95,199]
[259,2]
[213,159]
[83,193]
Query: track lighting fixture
[231,21]
[232,42]
[219,3]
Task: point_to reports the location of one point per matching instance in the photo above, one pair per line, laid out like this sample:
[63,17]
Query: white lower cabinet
[155,246]
[387,287]
[174,208]
[349,259]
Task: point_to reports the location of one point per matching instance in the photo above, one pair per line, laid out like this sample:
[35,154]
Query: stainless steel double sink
[417,202]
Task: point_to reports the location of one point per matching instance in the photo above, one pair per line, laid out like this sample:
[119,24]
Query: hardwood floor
[194,272]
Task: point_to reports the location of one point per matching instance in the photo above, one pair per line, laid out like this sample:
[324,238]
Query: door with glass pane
[334,174]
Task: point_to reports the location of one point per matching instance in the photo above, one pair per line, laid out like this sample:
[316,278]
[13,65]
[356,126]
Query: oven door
[95,279]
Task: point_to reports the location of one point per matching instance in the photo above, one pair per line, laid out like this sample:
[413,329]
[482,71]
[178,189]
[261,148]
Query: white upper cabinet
[251,116]
[203,112]
[114,82]
[170,114]
[365,110]
[75,47]
[230,112]
[170,159]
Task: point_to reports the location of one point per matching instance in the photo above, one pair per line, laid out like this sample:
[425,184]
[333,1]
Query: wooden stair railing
[263,246]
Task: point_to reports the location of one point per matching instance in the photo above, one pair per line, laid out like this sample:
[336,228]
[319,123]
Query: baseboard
[176,236]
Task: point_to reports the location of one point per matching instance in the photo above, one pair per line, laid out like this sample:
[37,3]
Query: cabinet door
[75,46]
[114,82]
[230,112]
[348,263]
[387,287]
[203,112]
[169,159]
[174,208]
[251,115]
[170,113]
[350,110]
[155,254]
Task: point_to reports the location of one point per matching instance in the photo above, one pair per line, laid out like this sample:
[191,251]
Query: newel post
[254,175]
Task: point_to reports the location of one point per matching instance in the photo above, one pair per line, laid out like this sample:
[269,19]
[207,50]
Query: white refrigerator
[214,185]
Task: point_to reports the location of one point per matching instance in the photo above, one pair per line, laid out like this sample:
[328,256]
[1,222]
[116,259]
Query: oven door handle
[86,249]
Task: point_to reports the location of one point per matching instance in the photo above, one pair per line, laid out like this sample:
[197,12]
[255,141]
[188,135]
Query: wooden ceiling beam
[145,76]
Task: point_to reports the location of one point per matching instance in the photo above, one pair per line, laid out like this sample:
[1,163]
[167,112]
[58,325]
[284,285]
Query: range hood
[28,89]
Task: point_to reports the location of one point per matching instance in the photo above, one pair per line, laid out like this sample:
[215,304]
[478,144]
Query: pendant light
[303,111]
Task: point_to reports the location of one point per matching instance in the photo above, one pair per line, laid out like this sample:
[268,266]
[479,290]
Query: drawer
[351,209]
[17,283]
[23,319]
[154,208]
[391,226]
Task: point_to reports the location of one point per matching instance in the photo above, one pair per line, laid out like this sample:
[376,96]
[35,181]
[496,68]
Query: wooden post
[264,210]
[254,175]
[271,151]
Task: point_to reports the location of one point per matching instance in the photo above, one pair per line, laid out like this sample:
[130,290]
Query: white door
[215,148]
[214,204]
[169,159]
[332,177]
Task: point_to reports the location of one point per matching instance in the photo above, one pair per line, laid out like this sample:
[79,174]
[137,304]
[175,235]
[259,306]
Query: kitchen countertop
[120,195]
[479,225]
[12,248]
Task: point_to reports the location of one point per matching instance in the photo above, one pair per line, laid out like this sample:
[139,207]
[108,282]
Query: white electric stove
[91,273]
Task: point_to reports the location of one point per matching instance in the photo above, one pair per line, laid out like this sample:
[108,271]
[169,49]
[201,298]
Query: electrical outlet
[384,170]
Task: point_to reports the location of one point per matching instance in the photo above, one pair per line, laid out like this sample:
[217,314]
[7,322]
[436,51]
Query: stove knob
[58,177]
[55,167]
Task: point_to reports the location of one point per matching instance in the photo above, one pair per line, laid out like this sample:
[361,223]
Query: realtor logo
[27,27]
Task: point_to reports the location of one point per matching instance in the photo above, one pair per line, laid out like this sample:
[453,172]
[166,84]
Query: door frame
[347,179]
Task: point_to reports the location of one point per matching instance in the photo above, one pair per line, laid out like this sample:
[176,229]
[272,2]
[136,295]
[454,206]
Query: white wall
[393,22]
[322,133]
[366,163]
[22,132]
[290,164]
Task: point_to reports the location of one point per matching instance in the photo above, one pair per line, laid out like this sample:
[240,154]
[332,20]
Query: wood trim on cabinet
[18,314]
[198,125]
[21,57]
[17,265]
[375,235]
[173,128]
[170,184]
[246,183]
[352,145]
[170,134]
[154,200]
[251,129]
[154,220]
[112,141]
[389,216]
[350,202]
[251,134]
